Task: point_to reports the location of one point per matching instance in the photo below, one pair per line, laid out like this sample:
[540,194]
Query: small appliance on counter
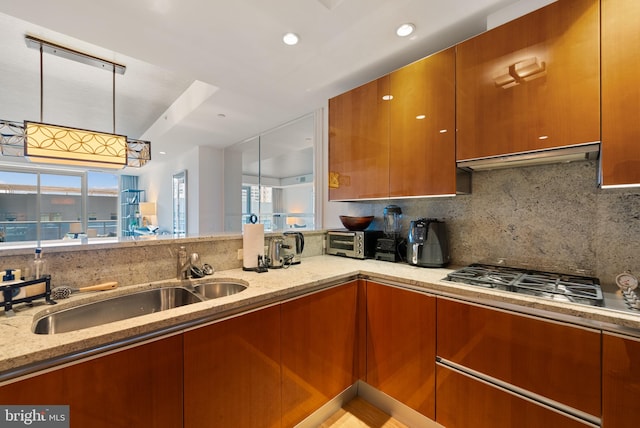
[388,246]
[276,256]
[357,244]
[428,243]
[294,245]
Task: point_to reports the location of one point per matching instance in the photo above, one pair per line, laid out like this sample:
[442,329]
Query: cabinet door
[422,127]
[319,343]
[620,381]
[620,154]
[401,343]
[359,142]
[533,83]
[232,372]
[137,387]
[554,360]
[466,402]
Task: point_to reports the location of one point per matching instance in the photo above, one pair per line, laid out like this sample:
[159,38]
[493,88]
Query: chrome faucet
[184,264]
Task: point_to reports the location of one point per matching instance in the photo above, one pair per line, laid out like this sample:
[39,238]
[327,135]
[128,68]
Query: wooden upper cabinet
[422,127]
[620,153]
[359,143]
[558,361]
[532,83]
[620,381]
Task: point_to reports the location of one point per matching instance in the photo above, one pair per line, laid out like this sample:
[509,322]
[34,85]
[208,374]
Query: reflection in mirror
[180,203]
[276,181]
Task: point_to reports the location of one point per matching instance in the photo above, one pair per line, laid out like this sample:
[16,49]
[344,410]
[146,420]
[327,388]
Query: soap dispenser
[38,267]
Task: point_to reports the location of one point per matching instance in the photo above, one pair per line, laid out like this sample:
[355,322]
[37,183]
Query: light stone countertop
[22,350]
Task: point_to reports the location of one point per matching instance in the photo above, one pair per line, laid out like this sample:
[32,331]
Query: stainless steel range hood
[586,151]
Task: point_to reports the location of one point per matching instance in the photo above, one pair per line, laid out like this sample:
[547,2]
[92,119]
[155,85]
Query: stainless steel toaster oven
[355,244]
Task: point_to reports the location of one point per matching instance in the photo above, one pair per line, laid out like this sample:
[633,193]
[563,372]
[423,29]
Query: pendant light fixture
[58,144]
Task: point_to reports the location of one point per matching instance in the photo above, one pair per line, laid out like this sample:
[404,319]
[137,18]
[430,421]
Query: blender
[387,245]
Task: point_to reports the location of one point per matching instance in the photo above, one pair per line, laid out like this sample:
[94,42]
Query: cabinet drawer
[554,360]
[466,402]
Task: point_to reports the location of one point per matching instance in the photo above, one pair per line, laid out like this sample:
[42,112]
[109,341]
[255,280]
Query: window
[50,205]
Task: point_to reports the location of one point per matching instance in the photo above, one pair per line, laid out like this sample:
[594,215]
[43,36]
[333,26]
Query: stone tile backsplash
[549,216]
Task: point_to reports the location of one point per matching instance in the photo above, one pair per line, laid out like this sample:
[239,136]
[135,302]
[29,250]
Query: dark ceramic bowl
[356,223]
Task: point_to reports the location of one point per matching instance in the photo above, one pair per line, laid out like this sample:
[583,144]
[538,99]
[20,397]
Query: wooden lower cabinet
[401,344]
[232,372]
[465,402]
[319,342]
[561,362]
[620,381]
[136,387]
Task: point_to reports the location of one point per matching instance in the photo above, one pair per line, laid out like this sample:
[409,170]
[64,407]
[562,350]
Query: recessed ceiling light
[163,153]
[387,97]
[290,39]
[421,116]
[405,29]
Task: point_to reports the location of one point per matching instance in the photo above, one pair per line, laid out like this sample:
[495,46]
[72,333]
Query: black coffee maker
[388,246]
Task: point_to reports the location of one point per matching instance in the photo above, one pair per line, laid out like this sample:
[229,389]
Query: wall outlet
[240,254]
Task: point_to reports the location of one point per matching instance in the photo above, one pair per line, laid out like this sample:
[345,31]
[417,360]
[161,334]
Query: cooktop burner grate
[548,285]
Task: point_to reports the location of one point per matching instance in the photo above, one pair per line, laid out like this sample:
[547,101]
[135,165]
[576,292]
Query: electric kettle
[294,245]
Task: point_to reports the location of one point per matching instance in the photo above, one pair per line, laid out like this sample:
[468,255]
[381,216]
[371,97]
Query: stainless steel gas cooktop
[549,285]
[572,288]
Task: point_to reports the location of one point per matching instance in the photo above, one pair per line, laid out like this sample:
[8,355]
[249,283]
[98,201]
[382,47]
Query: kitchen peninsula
[317,282]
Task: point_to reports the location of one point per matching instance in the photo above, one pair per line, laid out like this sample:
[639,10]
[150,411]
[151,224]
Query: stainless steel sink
[216,289]
[115,309]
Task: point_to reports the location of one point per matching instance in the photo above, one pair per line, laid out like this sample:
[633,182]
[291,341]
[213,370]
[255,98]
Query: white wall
[232,190]
[156,179]
[210,191]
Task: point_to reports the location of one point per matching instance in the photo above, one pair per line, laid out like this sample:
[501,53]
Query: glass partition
[277,180]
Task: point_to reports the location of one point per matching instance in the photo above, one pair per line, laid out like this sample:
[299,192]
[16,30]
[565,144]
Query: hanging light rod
[67,53]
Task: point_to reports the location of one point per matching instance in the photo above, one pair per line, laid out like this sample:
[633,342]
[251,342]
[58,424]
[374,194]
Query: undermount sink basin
[115,309]
[216,289]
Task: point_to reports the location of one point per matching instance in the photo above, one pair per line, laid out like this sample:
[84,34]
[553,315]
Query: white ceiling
[233,48]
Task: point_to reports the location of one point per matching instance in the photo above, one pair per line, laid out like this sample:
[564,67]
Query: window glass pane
[18,206]
[60,205]
[102,204]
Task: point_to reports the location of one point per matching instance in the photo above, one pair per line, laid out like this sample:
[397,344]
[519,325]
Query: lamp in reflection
[147,211]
